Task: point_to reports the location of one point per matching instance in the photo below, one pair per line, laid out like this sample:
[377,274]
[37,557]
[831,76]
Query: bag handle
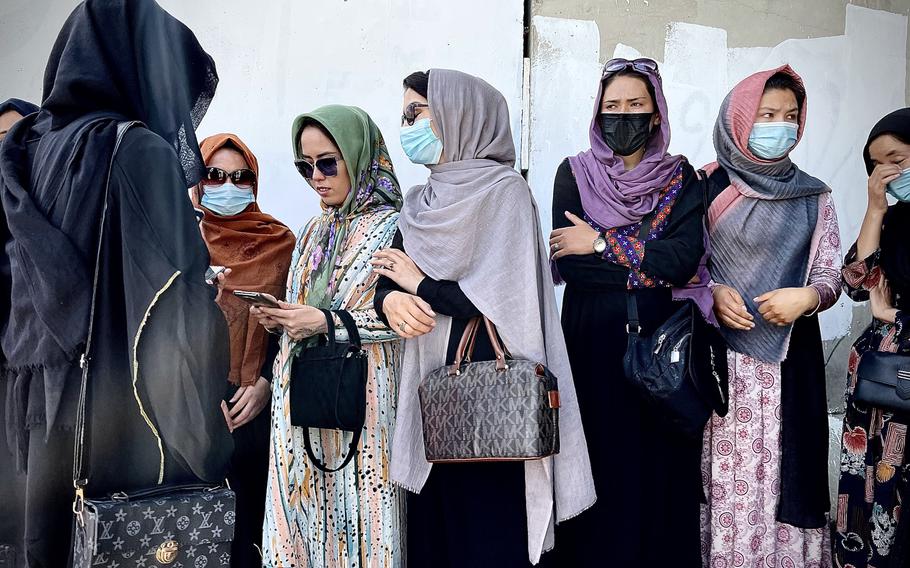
[352,450]
[349,325]
[498,350]
[80,473]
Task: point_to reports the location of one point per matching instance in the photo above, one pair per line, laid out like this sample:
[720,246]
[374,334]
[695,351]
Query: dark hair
[781,81]
[419,82]
[310,121]
[628,72]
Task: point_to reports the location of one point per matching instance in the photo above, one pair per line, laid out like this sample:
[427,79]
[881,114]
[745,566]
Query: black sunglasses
[328,166]
[244,179]
[410,112]
[642,65]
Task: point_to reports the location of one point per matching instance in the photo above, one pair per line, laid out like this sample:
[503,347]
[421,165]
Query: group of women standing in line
[751,239]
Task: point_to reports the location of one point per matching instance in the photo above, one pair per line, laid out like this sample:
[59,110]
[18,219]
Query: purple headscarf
[611,196]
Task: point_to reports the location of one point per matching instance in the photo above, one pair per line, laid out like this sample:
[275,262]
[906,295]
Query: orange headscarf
[257,248]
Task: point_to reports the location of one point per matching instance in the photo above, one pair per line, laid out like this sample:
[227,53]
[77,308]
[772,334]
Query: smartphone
[212,273]
[257,298]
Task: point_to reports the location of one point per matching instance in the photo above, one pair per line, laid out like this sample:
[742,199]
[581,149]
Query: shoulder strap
[80,475]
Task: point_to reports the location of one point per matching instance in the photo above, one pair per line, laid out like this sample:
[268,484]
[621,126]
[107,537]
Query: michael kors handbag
[501,410]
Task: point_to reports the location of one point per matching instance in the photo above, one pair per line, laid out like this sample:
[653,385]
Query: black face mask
[625,133]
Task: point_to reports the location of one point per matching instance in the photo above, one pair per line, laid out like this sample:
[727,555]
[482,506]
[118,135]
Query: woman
[870,529]
[353,517]
[765,463]
[257,248]
[470,244]
[628,223]
[12,491]
[153,395]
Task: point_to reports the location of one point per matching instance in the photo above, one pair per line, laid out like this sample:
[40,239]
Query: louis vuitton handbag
[501,410]
[190,525]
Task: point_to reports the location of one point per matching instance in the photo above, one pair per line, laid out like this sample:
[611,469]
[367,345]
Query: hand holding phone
[211,274]
[257,298]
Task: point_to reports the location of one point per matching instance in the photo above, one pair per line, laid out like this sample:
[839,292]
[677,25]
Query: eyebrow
[630,100]
[322,155]
[775,109]
[3,131]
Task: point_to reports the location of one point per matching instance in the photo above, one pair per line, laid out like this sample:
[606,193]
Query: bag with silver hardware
[188,525]
[502,410]
[883,381]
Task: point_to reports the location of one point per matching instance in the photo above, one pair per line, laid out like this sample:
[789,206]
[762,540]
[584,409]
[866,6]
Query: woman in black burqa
[160,354]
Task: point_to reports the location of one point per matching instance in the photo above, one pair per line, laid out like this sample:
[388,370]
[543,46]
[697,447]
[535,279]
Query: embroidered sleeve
[858,276]
[824,275]
[624,250]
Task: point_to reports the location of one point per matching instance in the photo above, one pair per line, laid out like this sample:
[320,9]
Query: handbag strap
[468,340]
[320,465]
[80,473]
[349,325]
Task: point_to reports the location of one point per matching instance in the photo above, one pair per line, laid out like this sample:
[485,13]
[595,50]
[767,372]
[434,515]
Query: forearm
[869,234]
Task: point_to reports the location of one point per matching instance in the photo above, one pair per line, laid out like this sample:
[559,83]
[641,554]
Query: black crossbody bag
[883,381]
[157,527]
[328,387]
[681,368]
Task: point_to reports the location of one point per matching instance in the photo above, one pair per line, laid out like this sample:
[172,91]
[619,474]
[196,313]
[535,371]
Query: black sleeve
[271,352]
[443,296]
[588,269]
[674,257]
[718,181]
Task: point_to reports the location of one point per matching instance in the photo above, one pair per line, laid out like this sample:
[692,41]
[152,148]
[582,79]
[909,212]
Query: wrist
[812,301]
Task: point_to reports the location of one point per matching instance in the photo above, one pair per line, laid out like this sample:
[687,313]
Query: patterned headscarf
[374,187]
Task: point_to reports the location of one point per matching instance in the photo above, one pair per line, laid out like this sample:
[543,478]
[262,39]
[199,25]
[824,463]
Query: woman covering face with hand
[775,250]
[870,529]
[315,518]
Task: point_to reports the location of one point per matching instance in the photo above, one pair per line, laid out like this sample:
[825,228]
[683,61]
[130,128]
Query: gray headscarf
[475,222]
[761,231]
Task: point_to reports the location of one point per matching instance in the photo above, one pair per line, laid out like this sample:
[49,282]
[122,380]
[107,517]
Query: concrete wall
[277,59]
[853,60]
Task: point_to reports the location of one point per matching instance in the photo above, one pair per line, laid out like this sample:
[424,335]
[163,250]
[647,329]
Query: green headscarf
[374,187]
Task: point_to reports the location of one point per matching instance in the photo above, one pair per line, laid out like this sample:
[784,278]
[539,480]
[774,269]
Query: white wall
[852,80]
[279,59]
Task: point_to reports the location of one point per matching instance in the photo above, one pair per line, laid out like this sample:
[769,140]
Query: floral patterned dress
[874,469]
[742,451]
[352,518]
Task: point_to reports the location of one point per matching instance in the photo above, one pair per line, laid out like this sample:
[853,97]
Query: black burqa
[161,351]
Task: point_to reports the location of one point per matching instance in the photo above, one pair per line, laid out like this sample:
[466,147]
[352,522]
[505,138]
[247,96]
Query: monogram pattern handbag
[186,526]
[502,410]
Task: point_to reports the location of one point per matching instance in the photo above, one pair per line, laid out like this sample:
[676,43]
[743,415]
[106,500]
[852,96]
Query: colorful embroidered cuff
[624,251]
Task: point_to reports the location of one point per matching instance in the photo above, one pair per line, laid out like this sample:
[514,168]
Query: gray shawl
[761,227]
[475,222]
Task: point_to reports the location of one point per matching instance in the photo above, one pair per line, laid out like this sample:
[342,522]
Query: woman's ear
[655,122]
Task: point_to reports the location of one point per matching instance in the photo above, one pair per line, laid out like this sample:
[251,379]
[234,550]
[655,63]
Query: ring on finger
[402,326]
[555,246]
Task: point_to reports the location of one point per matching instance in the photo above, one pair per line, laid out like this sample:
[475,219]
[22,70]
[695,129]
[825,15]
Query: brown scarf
[257,248]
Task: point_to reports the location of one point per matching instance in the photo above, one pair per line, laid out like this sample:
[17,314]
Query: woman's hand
[784,305]
[577,239]
[731,310]
[881,176]
[880,296]
[408,315]
[248,403]
[264,319]
[219,283]
[398,266]
[297,320]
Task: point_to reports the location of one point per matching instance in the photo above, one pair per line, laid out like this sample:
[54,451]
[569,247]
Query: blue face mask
[226,200]
[772,140]
[420,143]
[900,187]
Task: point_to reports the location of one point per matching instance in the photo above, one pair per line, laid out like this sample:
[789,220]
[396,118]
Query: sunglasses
[410,112]
[243,179]
[328,166]
[642,65]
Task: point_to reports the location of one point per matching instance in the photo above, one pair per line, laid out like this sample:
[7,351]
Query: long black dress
[647,477]
[469,514]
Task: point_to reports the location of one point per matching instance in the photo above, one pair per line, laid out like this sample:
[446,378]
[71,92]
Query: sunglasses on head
[642,65]
[328,166]
[410,112]
[243,179]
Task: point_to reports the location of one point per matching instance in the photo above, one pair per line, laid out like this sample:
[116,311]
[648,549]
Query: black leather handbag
[328,387]
[502,410]
[189,525]
[883,381]
[680,369]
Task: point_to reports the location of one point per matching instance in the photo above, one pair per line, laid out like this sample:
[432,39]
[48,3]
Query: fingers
[695,280]
[227,416]
[763,298]
[425,307]
[241,401]
[237,395]
[735,320]
[578,222]
[559,254]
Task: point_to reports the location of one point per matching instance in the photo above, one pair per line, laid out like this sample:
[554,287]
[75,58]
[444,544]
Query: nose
[317,174]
